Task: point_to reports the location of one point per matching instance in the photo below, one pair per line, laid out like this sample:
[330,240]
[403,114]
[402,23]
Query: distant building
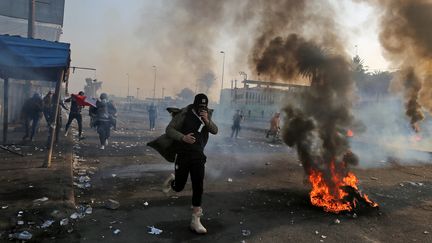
[91,87]
[257,99]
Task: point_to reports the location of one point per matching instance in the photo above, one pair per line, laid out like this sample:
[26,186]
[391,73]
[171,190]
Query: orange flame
[332,197]
[350,133]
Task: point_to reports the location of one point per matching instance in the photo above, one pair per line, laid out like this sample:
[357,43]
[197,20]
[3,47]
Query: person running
[75,113]
[190,131]
[32,112]
[104,110]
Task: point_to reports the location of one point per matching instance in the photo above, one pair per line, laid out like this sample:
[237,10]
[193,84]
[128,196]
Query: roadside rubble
[112,204]
[24,235]
[154,231]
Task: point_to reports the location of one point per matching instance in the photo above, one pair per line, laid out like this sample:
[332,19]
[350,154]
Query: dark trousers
[35,121]
[152,122]
[104,130]
[196,168]
[78,117]
[235,130]
[48,116]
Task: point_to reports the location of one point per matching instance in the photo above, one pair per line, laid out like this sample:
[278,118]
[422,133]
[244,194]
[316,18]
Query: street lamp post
[223,67]
[127,74]
[154,83]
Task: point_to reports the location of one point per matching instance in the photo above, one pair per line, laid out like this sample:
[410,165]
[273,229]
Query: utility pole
[223,68]
[128,85]
[137,93]
[31,19]
[163,91]
[154,83]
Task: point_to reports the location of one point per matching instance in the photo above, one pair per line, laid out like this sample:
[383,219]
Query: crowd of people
[103,115]
[183,144]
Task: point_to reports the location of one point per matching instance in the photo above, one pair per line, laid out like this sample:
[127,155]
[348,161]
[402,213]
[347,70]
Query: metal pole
[154,83]
[163,91]
[128,85]
[223,67]
[31,19]
[5,109]
[52,128]
[137,93]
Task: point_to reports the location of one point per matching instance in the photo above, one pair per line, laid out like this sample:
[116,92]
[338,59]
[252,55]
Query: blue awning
[33,59]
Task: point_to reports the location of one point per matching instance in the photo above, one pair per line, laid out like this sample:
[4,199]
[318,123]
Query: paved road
[253,193]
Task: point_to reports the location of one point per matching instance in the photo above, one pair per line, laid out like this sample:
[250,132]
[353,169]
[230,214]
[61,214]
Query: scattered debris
[154,231]
[323,236]
[146,203]
[84,179]
[4,207]
[47,224]
[25,235]
[246,232]
[425,232]
[316,232]
[230,179]
[74,216]
[354,216]
[415,183]
[114,175]
[337,221]
[64,221]
[112,204]
[81,185]
[55,214]
[20,222]
[89,210]
[374,178]
[40,200]
[117,231]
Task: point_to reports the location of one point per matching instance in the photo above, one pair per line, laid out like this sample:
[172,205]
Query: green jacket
[164,143]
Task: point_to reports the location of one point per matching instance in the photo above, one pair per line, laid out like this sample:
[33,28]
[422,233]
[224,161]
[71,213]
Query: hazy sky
[118,37]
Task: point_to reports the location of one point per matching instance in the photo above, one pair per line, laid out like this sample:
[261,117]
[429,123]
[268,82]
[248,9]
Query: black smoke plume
[318,119]
[407,39]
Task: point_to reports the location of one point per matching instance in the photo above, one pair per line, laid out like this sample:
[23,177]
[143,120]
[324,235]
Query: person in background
[47,107]
[104,108]
[274,125]
[32,112]
[113,115]
[190,131]
[152,113]
[74,113]
[237,118]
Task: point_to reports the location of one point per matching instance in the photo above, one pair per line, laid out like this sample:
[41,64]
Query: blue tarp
[33,59]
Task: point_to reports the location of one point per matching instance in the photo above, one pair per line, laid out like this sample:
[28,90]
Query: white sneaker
[196,225]
[166,187]
[102,147]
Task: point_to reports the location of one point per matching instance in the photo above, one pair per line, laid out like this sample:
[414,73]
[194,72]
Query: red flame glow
[332,198]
